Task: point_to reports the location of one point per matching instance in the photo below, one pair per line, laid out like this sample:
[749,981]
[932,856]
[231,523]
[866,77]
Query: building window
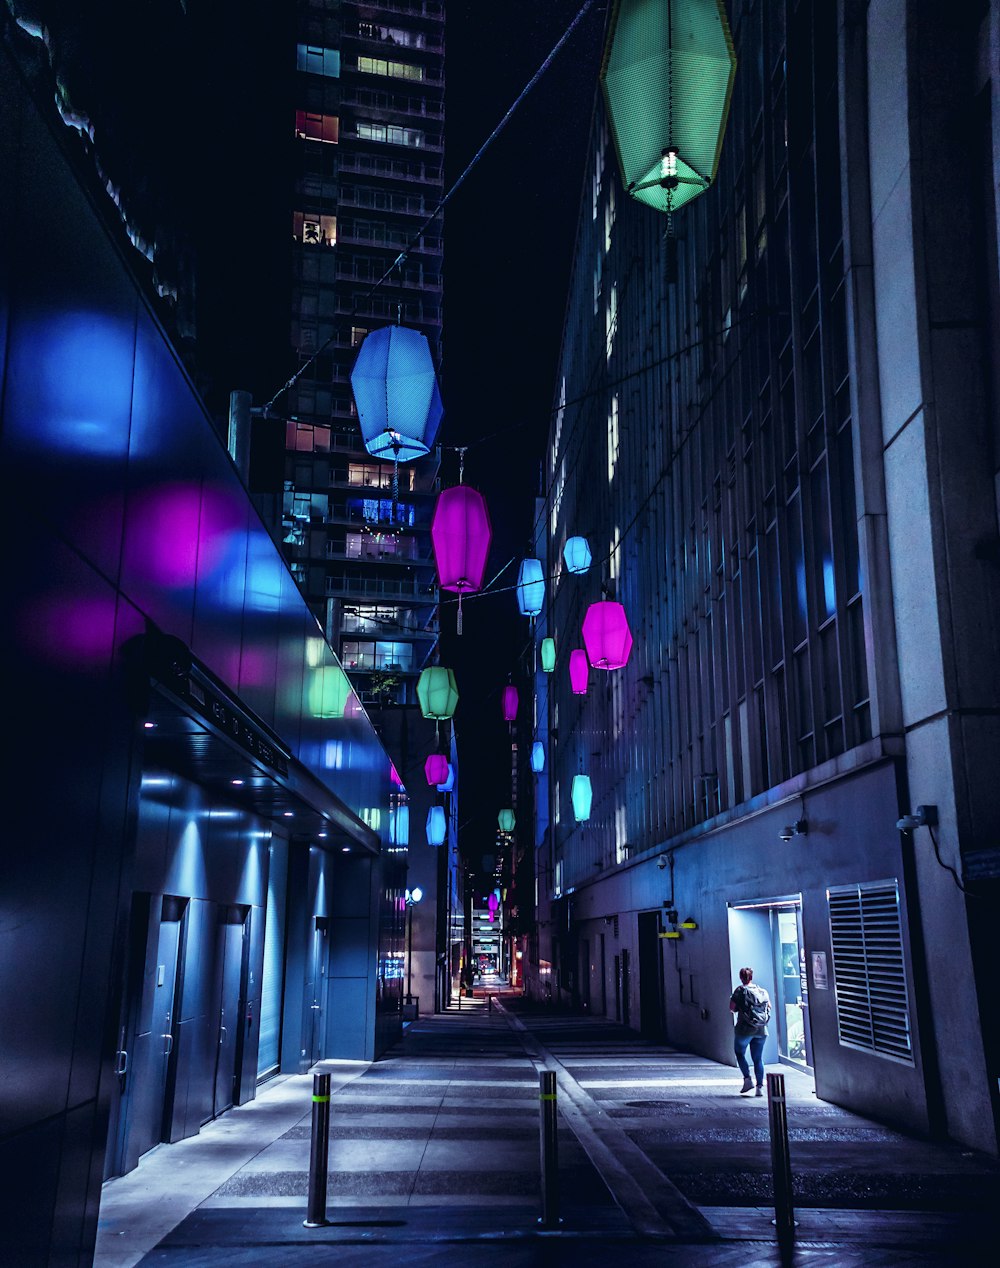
[318,61]
[869,971]
[614,554]
[370,618]
[612,436]
[396,70]
[373,476]
[317,127]
[364,657]
[313,229]
[389,134]
[611,319]
[392,35]
[305,438]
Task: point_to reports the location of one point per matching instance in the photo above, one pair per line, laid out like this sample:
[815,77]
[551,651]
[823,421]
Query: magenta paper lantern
[606,635]
[461,534]
[436,769]
[579,671]
[509,703]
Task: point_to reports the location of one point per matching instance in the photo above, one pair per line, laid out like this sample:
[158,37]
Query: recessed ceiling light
[237,783]
[345,849]
[322,836]
[149,725]
[288,814]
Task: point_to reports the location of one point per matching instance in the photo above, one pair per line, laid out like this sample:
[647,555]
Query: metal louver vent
[869,973]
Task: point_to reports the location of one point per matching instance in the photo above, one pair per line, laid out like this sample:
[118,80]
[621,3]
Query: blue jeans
[756,1045]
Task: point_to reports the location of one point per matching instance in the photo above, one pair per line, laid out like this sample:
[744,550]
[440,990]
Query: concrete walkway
[434,1153]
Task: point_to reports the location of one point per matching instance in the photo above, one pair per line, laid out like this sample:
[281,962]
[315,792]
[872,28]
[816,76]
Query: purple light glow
[509,703]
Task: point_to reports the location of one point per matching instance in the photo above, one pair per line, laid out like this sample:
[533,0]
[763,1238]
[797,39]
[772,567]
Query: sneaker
[747,1086]
[760,1090]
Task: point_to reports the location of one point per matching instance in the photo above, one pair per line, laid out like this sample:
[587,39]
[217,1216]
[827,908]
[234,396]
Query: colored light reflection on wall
[436,826]
[329,690]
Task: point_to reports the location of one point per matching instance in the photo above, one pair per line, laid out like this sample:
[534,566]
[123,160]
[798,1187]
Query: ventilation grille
[869,973]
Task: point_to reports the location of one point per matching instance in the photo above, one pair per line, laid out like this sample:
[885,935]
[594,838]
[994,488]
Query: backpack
[755,1010]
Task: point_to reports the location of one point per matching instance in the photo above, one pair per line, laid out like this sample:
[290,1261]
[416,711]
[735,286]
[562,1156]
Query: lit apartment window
[305,438]
[318,61]
[369,619]
[390,134]
[317,127]
[314,229]
[396,70]
[372,476]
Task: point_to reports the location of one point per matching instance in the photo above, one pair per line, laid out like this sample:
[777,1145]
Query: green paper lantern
[506,820]
[667,77]
[437,693]
[548,654]
[582,797]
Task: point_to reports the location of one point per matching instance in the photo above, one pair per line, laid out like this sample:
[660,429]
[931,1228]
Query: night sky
[509,236]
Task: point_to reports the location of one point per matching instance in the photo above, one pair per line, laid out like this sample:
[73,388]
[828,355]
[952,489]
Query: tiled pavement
[434,1153]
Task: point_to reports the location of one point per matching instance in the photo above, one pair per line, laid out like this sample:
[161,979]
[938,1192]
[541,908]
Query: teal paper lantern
[548,653]
[530,587]
[577,555]
[582,797]
[437,693]
[506,820]
[538,757]
[435,825]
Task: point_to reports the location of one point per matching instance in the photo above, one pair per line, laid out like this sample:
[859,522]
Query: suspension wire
[402,257]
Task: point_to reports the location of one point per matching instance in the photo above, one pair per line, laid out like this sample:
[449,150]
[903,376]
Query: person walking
[752,1006]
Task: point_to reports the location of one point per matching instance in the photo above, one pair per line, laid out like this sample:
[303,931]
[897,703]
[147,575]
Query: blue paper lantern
[435,825]
[396,392]
[538,757]
[448,784]
[577,555]
[530,587]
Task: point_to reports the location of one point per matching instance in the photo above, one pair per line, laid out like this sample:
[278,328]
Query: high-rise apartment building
[368,172]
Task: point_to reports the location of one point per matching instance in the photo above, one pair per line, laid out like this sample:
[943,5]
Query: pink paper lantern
[509,703]
[579,671]
[436,769]
[606,635]
[461,534]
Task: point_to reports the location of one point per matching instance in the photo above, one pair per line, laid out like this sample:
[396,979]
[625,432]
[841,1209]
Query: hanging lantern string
[401,259]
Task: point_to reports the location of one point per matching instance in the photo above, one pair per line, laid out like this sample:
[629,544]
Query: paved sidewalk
[434,1154]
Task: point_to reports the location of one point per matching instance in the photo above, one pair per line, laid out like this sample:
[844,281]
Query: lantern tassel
[458,621]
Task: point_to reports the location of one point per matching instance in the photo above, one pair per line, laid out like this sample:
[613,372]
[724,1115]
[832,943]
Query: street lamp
[413,896]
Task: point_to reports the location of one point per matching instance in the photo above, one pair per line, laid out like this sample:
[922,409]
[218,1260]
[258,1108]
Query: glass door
[791,1004]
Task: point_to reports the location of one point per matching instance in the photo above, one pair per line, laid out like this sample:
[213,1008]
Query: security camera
[661,862]
[922,817]
[786,833]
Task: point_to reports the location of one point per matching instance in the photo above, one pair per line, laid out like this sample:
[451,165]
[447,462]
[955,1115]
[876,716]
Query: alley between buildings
[434,1153]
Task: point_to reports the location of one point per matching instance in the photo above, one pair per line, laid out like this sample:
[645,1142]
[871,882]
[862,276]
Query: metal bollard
[548,1126]
[781,1162]
[319,1153]
[490,1009]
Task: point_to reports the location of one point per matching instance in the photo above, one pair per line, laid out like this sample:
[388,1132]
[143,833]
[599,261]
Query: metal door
[231,959]
[625,987]
[316,990]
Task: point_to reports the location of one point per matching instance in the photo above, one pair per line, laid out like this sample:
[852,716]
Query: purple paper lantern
[579,671]
[436,769]
[509,703]
[606,635]
[461,534]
